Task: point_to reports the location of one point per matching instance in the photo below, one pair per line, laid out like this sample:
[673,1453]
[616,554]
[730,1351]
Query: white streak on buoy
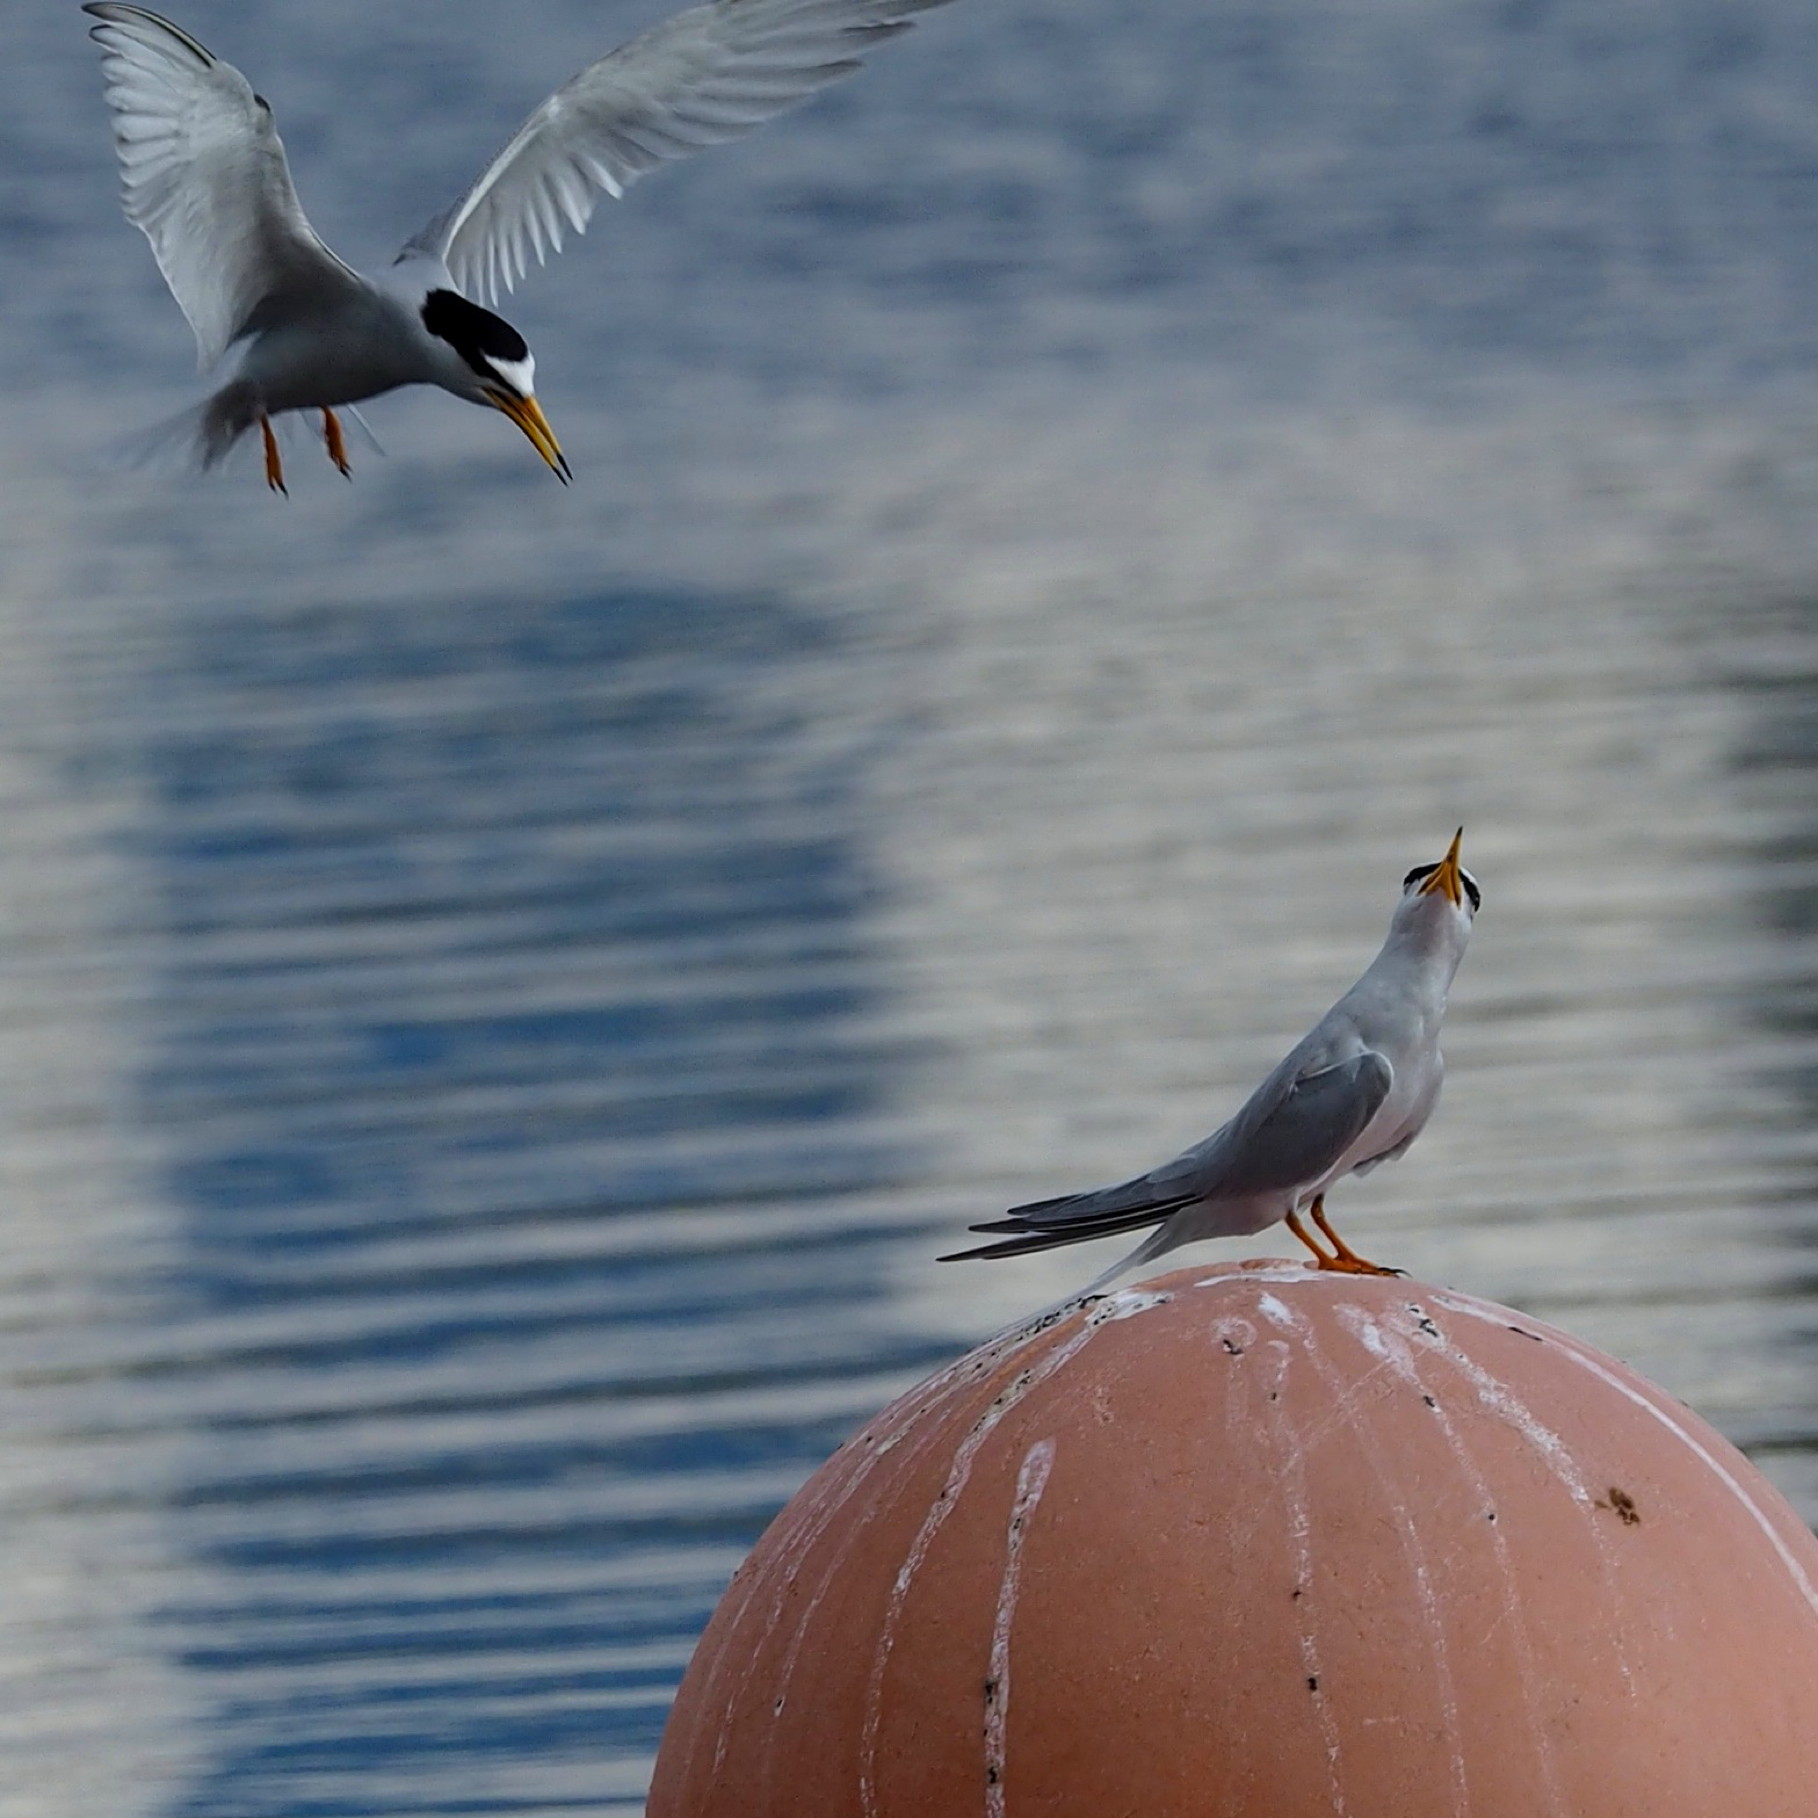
[1691,1442]
[855,1463]
[1031,1481]
[862,1455]
[811,1534]
[793,1548]
[1341,1410]
[957,1477]
[1276,1313]
[1281,1269]
[1414,1551]
[1397,1349]
[1293,1479]
[909,1414]
[1575,1481]
[1502,1401]
[805,1534]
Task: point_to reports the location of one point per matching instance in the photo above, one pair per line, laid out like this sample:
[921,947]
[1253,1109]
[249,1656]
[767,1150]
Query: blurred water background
[504,991]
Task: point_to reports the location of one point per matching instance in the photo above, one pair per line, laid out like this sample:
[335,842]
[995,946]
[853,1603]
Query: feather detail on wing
[710,74]
[205,180]
[1294,1130]
[1282,1141]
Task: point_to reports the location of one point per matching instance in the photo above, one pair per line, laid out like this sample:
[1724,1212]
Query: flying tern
[295,329]
[1355,1092]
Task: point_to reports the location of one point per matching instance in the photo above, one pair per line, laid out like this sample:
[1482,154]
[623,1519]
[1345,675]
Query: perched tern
[1355,1092]
[207,182]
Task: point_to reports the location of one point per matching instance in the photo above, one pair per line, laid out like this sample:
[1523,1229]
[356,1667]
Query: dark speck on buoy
[1622,1505]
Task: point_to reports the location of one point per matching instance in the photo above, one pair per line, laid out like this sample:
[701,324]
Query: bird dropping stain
[856,1461]
[1291,1473]
[958,1476]
[1421,1569]
[1397,1348]
[1031,1482]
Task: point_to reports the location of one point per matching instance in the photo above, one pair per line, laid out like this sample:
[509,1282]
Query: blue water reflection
[1061,523]
[491,929]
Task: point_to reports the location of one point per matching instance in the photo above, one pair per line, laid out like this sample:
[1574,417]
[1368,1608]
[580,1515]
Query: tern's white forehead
[520,375]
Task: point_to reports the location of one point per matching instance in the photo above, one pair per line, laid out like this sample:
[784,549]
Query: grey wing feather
[1155,1194]
[1076,1218]
[1295,1127]
[1302,1132]
[205,180]
[705,76]
[1032,1237]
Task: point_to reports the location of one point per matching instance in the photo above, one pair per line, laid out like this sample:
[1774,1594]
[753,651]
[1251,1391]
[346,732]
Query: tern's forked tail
[204,435]
[200,436]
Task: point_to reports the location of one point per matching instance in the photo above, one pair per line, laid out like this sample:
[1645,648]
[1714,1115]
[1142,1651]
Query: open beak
[1445,876]
[527,413]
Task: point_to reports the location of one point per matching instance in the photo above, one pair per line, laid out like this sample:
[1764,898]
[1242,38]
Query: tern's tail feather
[197,437]
[170,442]
[1047,1224]
[205,434]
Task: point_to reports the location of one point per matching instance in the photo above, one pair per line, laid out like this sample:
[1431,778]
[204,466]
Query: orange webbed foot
[1342,1259]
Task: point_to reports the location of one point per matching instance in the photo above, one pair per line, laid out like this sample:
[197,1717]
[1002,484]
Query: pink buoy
[1255,1542]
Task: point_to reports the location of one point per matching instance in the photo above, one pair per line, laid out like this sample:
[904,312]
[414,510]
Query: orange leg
[274,468]
[1344,1259]
[1321,1259]
[337,446]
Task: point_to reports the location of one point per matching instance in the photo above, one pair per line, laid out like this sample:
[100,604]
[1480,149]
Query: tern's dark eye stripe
[1471,890]
[1418,873]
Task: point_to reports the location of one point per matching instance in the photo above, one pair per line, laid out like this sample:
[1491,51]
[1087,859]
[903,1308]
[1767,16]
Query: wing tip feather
[771,55]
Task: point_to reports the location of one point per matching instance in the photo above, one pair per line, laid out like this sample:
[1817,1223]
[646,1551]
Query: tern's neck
[1423,955]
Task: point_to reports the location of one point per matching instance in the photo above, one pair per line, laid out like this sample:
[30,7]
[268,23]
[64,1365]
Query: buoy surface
[1255,1542]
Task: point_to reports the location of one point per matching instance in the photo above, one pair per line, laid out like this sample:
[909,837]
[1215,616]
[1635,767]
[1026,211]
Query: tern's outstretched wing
[707,75]
[1295,1127]
[206,181]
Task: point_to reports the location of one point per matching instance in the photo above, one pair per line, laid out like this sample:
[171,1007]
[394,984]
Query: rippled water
[504,992]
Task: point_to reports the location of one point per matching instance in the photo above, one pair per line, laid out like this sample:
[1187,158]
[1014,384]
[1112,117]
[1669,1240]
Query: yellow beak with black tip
[1445,874]
[527,413]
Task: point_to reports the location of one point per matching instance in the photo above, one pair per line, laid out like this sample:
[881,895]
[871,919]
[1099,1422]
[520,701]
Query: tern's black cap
[477,335]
